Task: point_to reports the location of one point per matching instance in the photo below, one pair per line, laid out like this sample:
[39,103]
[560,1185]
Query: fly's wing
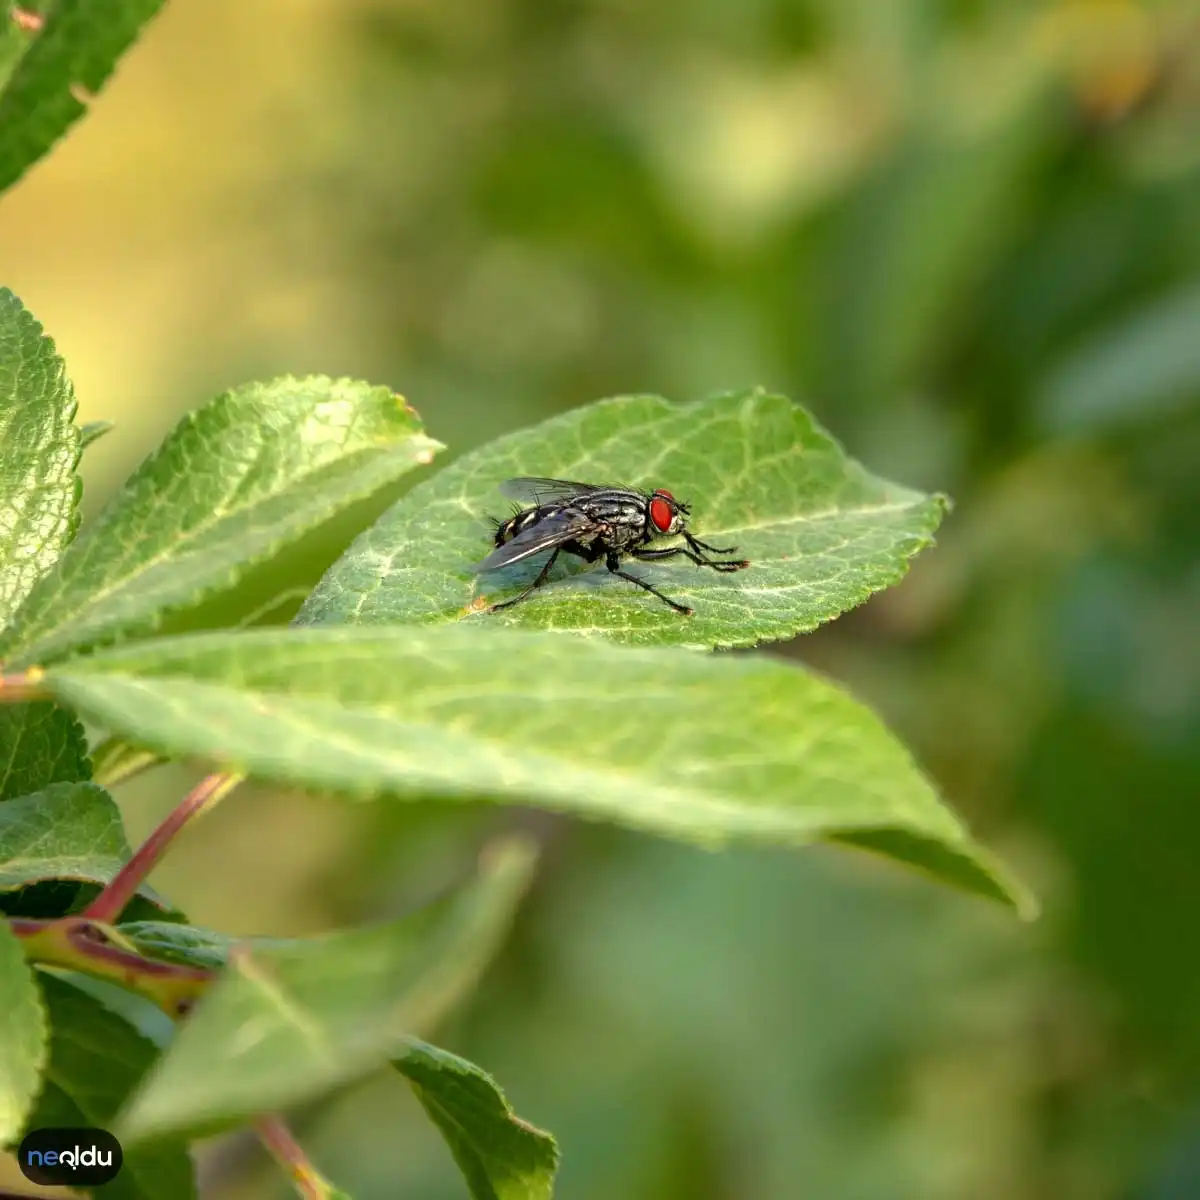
[548,533]
[535,489]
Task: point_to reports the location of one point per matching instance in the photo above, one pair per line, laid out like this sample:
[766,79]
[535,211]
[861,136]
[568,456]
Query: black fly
[595,522]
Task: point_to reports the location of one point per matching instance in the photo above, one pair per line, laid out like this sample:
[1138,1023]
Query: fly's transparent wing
[535,489]
[548,533]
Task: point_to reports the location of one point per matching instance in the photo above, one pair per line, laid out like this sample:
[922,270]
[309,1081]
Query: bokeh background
[967,234]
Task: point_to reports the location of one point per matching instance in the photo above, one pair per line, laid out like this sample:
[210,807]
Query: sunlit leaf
[39,447]
[66,831]
[697,747]
[40,744]
[822,533]
[238,479]
[22,1037]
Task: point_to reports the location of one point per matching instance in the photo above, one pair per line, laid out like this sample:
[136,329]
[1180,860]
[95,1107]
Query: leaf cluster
[393,683]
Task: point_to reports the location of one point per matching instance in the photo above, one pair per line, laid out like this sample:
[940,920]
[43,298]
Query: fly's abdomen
[519,522]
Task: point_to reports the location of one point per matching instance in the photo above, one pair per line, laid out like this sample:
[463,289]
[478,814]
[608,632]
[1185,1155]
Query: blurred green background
[967,234]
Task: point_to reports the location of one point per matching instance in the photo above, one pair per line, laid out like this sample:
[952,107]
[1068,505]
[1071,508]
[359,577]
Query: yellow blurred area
[1110,49]
[138,241]
[139,244]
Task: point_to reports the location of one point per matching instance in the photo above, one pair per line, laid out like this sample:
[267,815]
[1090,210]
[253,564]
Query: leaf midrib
[293,1014]
[809,823]
[488,1160]
[829,514]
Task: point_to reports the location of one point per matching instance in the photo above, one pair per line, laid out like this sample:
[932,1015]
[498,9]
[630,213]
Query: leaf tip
[513,853]
[960,862]
[1028,907]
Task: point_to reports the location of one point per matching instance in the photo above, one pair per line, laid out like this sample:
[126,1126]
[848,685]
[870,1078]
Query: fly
[596,522]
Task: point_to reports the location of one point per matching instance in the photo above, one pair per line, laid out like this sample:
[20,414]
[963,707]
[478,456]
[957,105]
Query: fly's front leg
[671,551]
[697,544]
[613,563]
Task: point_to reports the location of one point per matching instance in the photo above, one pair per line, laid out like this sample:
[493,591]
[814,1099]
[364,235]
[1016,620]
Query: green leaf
[288,1022]
[697,747]
[93,431]
[144,1015]
[821,533]
[22,1037]
[40,744]
[15,38]
[188,945]
[96,1060]
[67,62]
[66,831]
[500,1156]
[39,447]
[191,946]
[237,479]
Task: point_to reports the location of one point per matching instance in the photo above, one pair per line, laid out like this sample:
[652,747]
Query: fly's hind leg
[537,583]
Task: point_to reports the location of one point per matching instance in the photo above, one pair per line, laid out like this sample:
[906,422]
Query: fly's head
[667,515]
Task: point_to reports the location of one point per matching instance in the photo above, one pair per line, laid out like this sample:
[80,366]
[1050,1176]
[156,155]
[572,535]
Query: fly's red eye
[664,493]
[661,512]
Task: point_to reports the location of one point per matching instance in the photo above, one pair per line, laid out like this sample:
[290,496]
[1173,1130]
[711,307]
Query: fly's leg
[613,564]
[697,544]
[537,583]
[671,551]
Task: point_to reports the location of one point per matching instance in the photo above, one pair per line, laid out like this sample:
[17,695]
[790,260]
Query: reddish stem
[83,945]
[31,22]
[288,1152]
[23,687]
[111,902]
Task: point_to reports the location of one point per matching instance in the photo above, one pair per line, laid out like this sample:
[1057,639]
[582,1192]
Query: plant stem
[108,906]
[23,687]
[27,19]
[289,1154]
[91,948]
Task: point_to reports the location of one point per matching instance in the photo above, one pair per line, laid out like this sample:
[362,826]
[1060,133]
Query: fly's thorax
[615,508]
[621,516]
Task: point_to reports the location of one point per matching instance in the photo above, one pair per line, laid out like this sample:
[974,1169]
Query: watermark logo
[70,1157]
